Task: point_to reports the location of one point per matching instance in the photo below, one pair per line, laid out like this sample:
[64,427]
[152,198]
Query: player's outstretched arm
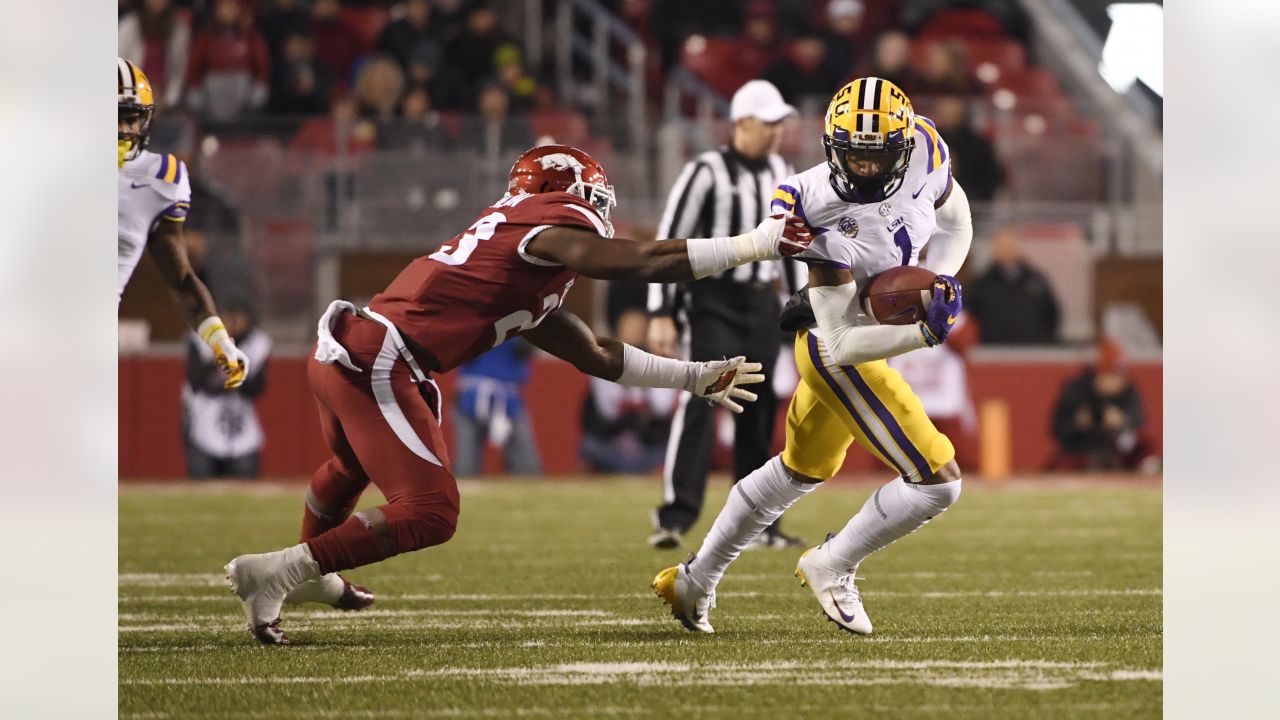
[169,251]
[834,297]
[607,258]
[565,336]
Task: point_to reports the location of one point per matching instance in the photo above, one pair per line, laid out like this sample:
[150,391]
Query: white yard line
[553,597]
[1018,674]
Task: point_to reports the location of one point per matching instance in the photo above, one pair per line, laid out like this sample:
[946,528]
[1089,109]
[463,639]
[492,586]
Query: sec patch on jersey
[898,296]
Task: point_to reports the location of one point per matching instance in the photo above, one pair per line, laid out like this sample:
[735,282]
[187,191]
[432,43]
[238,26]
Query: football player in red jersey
[506,275]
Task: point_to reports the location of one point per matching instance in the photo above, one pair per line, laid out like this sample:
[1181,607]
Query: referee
[722,193]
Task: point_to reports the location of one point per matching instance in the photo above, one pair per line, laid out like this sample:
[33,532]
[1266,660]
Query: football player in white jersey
[884,198]
[155,195]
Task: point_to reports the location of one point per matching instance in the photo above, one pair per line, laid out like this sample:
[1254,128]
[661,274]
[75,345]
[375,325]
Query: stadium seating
[723,63]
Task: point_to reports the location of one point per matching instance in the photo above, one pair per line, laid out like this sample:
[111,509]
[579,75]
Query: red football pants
[383,428]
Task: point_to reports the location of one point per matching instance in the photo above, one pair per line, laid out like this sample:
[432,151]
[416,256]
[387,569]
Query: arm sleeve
[835,308]
[679,220]
[949,245]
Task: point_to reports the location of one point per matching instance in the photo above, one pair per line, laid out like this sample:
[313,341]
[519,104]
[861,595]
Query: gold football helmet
[868,134]
[136,106]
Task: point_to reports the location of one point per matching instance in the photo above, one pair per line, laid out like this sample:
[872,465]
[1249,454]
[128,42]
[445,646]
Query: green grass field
[1025,602]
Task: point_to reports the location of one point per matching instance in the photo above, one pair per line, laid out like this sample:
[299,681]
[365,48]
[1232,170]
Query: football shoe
[834,589]
[690,604]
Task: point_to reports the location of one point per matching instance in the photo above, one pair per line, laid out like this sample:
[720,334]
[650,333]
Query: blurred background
[330,142]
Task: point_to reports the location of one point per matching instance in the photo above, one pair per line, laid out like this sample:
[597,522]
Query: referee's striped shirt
[721,194]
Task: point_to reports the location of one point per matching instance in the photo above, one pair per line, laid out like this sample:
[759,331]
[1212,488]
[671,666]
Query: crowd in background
[413,74]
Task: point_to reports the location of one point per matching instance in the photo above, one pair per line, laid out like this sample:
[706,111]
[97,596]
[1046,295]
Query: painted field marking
[1017,674]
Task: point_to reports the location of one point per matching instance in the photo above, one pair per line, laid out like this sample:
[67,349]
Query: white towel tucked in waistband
[329,350]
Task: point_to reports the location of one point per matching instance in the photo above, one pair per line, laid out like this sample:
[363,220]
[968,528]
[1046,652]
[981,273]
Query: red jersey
[480,288]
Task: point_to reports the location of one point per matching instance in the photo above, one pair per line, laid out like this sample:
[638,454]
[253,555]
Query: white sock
[754,503]
[894,511]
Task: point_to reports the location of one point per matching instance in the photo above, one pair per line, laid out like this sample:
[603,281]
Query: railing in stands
[600,67]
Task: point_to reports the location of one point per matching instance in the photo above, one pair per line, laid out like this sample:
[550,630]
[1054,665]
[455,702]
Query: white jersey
[153,188]
[869,238]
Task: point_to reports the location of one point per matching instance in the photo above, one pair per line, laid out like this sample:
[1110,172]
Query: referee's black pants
[725,319]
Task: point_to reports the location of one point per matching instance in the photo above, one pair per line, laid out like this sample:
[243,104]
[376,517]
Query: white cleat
[834,589]
[261,585]
[689,603]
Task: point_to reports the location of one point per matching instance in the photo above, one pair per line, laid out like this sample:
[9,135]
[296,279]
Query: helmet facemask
[600,196]
[889,160]
[136,139]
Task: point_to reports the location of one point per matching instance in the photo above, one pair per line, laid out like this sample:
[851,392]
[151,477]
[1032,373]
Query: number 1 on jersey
[903,241]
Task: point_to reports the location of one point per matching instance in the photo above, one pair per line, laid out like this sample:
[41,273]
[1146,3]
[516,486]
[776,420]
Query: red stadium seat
[723,63]
[967,23]
[568,127]
[367,22]
[1007,55]
[1029,82]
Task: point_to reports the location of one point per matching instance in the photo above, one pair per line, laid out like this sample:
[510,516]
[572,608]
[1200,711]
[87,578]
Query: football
[898,296]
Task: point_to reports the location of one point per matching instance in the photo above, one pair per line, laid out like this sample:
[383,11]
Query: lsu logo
[848,227]
[560,161]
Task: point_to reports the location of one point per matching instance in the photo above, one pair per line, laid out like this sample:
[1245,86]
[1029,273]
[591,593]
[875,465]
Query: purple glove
[943,310]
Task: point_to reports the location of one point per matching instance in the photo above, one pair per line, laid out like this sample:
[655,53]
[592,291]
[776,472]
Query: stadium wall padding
[150,415]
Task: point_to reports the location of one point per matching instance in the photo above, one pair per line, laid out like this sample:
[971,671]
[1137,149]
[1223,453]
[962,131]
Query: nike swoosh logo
[916,194]
[951,319]
[846,618]
[135,186]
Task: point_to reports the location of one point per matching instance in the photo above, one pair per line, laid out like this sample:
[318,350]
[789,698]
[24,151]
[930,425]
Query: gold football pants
[835,405]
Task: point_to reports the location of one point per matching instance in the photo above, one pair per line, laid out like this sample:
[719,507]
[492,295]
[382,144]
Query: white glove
[719,381]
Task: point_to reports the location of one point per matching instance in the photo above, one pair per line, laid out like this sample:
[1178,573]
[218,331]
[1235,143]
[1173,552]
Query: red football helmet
[561,168]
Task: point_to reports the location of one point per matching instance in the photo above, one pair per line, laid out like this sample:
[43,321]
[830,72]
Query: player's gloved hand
[233,362]
[720,381]
[943,310]
[779,236]
[230,359]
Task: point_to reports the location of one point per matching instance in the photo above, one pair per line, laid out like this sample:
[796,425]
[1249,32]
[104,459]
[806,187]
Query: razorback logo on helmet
[561,161]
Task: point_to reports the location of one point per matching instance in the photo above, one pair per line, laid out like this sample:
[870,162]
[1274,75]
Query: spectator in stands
[229,68]
[760,30]
[281,18]
[973,158]
[806,70]
[472,52]
[946,70]
[157,37]
[378,88]
[220,427]
[300,84]
[419,130]
[1013,302]
[490,409]
[521,88]
[450,17]
[624,429]
[338,45]
[891,60]
[400,35]
[1098,419]
[443,82]
[343,131]
[844,37]
[494,132]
